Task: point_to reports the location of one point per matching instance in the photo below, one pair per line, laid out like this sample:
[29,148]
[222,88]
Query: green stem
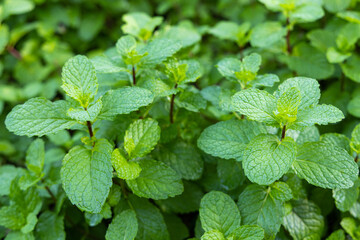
[133,75]
[172,106]
[288,45]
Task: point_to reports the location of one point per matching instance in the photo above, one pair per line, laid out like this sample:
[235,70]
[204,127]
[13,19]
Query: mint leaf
[219,212]
[325,165]
[35,156]
[355,139]
[304,221]
[213,235]
[309,90]
[124,225]
[123,101]
[90,114]
[79,80]
[50,226]
[255,104]
[123,168]
[156,181]
[228,139]
[87,175]
[265,35]
[248,232]
[228,66]
[141,137]
[266,158]
[140,24]
[38,117]
[151,224]
[346,198]
[7,174]
[264,206]
[319,114]
[288,104]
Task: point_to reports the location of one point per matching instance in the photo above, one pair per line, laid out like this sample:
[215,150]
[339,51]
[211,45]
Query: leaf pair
[294,104]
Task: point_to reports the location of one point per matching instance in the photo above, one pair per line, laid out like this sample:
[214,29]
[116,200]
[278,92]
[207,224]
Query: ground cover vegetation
[159,120]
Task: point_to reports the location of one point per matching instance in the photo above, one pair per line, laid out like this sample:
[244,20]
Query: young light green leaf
[228,139]
[79,80]
[123,227]
[191,101]
[35,156]
[337,235]
[140,24]
[156,181]
[248,232]
[213,235]
[90,114]
[266,158]
[219,212]
[252,62]
[7,174]
[309,90]
[87,175]
[304,221]
[264,206]
[38,117]
[335,6]
[228,66]
[256,104]
[125,45]
[325,165]
[123,101]
[141,137]
[355,139]
[288,104]
[123,168]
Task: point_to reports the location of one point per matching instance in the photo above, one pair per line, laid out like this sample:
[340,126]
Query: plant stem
[172,106]
[88,123]
[342,82]
[14,52]
[357,158]
[283,132]
[50,193]
[288,45]
[133,75]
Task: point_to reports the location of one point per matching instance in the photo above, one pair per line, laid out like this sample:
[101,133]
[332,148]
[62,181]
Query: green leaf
[230,173]
[158,51]
[18,6]
[334,56]
[12,217]
[79,80]
[304,221]
[320,114]
[184,159]
[140,24]
[256,104]
[191,101]
[351,227]
[124,226]
[123,168]
[335,6]
[264,206]
[266,158]
[308,12]
[35,156]
[350,16]
[219,212]
[186,34]
[90,114]
[7,174]
[151,224]
[228,139]
[177,229]
[325,165]
[188,201]
[123,101]
[104,64]
[337,140]
[156,181]
[309,90]
[231,31]
[266,35]
[4,39]
[228,66]
[141,137]
[248,232]
[353,106]
[87,175]
[345,198]
[350,68]
[38,117]
[355,139]
[337,235]
[213,235]
[288,104]
[50,226]
[309,62]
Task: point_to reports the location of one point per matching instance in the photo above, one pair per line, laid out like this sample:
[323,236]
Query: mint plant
[179,120]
